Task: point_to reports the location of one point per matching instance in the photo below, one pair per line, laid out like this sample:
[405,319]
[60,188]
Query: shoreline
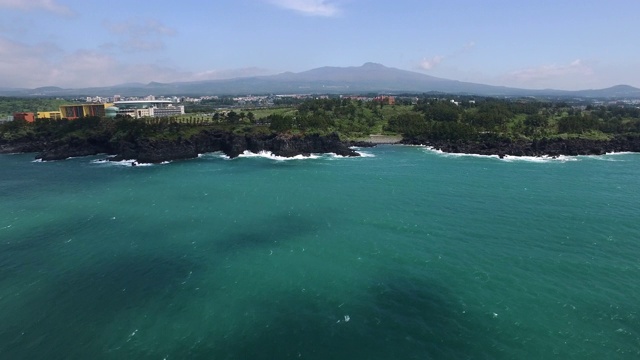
[144,150]
[536,148]
[151,150]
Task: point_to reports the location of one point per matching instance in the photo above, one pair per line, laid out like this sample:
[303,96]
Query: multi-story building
[73,112]
[149,108]
[53,115]
[389,100]
[134,108]
[26,116]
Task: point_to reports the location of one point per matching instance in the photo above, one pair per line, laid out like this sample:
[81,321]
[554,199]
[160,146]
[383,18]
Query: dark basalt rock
[149,150]
[145,150]
[541,147]
[22,147]
[73,147]
[362,144]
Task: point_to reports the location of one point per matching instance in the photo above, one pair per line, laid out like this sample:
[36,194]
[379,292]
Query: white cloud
[229,73]
[31,66]
[428,64]
[574,75]
[138,35]
[546,72]
[137,28]
[29,5]
[468,46]
[309,7]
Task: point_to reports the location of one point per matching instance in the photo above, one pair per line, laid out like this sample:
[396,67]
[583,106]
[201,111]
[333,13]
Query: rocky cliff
[147,150]
[541,147]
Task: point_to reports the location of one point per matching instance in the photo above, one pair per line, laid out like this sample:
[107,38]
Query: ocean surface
[406,253]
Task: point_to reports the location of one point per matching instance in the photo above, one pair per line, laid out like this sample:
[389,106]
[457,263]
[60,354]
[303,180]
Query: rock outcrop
[541,147]
[156,150]
[147,150]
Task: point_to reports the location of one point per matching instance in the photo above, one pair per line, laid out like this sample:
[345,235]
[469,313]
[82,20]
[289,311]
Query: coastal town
[171,106]
[156,129]
[167,106]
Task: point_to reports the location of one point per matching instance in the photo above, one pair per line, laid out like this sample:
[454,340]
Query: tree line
[466,118]
[11,105]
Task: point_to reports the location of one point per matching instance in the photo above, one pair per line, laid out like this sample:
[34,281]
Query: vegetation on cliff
[463,124]
[156,140]
[446,118]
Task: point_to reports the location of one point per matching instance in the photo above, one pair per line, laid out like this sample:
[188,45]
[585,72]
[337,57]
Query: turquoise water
[408,254]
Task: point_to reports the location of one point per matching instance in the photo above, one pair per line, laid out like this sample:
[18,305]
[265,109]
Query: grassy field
[264,112]
[196,118]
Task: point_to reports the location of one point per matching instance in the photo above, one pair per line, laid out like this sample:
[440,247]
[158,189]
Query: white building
[149,108]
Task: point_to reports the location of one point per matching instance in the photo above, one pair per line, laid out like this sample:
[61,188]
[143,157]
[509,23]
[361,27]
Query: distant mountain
[368,78]
[48,88]
[618,91]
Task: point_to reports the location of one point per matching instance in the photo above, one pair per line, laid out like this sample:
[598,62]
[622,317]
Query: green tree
[442,111]
[536,121]
[409,124]
[280,123]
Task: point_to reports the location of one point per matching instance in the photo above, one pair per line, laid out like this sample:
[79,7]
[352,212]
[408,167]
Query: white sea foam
[621,153]
[507,158]
[271,156]
[365,154]
[540,159]
[611,156]
[472,155]
[214,155]
[448,154]
[600,158]
[361,153]
[123,162]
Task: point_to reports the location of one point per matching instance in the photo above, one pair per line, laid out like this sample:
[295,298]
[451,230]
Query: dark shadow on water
[30,249]
[268,232]
[64,320]
[405,318]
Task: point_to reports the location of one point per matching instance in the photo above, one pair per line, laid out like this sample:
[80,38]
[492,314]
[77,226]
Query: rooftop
[143,102]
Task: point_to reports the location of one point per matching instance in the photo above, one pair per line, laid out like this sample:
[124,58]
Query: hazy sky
[561,44]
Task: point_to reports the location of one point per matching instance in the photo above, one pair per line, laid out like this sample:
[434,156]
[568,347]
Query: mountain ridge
[367,78]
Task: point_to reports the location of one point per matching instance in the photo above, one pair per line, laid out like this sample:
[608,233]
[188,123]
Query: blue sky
[560,44]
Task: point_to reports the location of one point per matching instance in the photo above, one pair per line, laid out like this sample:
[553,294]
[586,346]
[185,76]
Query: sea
[403,253]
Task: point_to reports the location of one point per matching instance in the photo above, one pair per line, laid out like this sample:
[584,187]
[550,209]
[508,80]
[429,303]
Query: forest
[466,119]
[428,117]
[11,105]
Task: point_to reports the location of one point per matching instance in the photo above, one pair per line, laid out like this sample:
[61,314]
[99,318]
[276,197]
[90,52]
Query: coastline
[537,148]
[147,150]
[150,150]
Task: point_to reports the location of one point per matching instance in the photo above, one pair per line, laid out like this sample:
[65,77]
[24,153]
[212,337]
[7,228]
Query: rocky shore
[541,147]
[146,150]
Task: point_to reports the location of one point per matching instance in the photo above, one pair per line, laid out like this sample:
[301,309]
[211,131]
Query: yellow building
[76,111]
[53,115]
